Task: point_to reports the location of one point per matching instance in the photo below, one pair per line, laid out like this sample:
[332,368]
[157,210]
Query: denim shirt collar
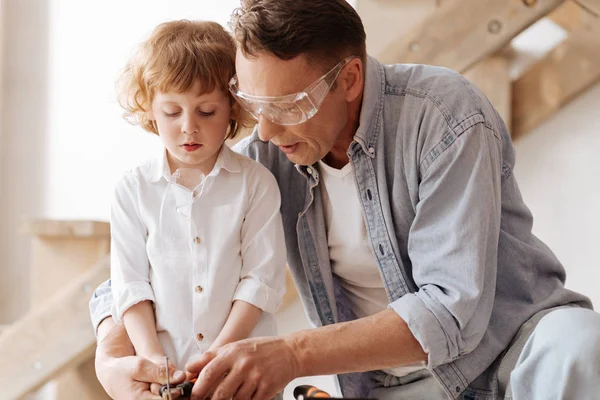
[370,124]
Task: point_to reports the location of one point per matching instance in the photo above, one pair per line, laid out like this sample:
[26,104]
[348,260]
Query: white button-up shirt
[194,260]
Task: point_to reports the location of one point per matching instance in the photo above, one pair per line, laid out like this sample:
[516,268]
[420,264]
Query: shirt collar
[372,105]
[227,159]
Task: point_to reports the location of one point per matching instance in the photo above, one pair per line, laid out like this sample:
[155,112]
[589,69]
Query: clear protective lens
[290,109]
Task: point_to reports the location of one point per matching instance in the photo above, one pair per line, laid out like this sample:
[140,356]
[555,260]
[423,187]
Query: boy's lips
[191,146]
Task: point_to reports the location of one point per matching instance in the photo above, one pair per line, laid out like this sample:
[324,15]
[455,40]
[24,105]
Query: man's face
[308,142]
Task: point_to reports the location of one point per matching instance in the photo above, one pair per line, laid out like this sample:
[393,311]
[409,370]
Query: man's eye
[286,108]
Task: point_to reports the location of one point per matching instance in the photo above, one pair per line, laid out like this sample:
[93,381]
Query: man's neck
[338,155]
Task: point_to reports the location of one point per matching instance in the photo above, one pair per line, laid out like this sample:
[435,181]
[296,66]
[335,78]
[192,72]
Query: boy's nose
[189,126]
[267,130]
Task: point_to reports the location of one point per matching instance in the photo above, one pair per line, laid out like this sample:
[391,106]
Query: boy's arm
[241,322]
[130,282]
[262,277]
[141,328]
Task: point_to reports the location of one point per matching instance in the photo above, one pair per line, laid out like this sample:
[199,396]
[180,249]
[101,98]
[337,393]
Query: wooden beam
[492,77]
[592,6]
[460,33]
[570,16]
[566,71]
[70,229]
[387,20]
[51,338]
[61,250]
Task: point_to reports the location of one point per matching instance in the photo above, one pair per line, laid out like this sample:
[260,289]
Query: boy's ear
[150,115]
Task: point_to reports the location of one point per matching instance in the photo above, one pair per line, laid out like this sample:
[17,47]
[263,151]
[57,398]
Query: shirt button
[309,170]
[371,150]
[197,240]
[198,289]
[199,336]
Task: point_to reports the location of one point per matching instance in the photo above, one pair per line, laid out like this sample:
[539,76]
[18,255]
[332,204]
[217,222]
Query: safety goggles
[291,109]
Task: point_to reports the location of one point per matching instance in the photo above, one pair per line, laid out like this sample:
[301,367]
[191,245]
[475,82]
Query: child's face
[192,126]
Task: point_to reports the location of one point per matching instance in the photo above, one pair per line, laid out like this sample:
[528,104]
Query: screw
[494,26]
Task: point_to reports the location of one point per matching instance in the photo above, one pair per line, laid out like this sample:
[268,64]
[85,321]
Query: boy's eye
[207,113]
[172,114]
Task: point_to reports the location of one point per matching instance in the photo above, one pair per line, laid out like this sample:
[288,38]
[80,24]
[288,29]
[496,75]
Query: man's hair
[325,31]
[172,59]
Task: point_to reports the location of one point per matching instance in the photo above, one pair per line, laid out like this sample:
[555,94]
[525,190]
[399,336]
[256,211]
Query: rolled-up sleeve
[129,262]
[453,244]
[262,280]
[101,304]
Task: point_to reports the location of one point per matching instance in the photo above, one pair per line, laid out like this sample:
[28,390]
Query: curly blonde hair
[175,56]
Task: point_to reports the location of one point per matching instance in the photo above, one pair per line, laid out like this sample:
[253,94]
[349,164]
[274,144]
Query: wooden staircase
[55,340]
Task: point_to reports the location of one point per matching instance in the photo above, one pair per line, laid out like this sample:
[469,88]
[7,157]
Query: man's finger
[246,391]
[210,376]
[146,371]
[227,387]
[196,366]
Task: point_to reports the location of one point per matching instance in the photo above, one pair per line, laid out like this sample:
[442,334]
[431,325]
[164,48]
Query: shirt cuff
[129,295]
[425,327]
[259,294]
[100,305]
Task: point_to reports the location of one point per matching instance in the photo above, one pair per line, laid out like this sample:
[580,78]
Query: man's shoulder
[454,96]
[247,145]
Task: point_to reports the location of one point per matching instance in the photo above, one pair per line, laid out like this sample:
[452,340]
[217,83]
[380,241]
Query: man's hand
[124,375]
[249,369]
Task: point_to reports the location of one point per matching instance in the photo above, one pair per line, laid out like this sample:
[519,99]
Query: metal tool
[183,389]
[166,395]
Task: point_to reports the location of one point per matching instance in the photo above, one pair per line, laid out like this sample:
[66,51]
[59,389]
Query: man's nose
[267,130]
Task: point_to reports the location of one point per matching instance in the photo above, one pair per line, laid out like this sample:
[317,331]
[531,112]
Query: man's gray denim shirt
[433,165]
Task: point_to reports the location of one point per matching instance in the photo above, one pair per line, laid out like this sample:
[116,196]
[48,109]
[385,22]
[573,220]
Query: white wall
[558,168]
[23,143]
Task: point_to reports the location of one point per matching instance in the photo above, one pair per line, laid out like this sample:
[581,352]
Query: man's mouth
[288,149]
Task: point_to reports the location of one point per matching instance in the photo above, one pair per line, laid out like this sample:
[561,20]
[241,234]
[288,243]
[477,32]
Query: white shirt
[350,251]
[194,261]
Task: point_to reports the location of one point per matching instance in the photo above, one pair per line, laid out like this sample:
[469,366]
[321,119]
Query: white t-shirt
[194,260]
[350,251]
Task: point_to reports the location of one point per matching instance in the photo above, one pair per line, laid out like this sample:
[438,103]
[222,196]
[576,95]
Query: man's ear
[353,79]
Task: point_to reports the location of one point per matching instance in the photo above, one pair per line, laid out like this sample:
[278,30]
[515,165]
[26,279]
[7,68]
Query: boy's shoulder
[250,167]
[150,170]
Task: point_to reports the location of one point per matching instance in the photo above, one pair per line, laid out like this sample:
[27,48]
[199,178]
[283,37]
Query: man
[406,233]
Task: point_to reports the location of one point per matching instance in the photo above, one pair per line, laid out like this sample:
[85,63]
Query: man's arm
[259,368]
[123,374]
